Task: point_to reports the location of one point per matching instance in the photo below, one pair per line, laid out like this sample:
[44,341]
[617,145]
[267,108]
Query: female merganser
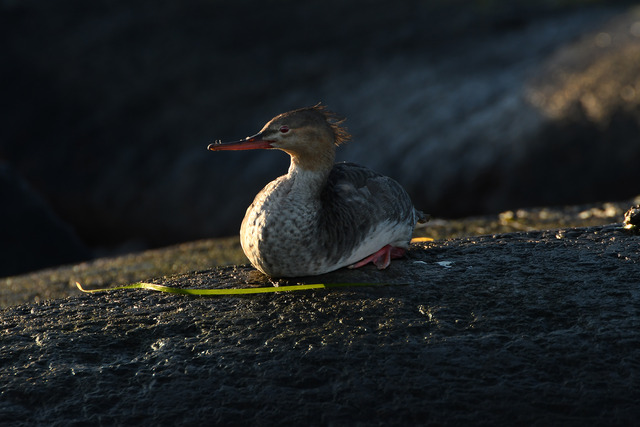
[321,216]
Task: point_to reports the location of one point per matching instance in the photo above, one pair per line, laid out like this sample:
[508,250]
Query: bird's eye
[284,129]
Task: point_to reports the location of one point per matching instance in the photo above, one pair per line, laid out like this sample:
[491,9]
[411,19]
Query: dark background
[474,106]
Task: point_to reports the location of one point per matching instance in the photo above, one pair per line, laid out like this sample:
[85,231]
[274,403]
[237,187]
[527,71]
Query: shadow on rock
[510,329]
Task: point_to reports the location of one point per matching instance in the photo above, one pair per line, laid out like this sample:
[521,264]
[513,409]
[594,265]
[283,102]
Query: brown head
[309,135]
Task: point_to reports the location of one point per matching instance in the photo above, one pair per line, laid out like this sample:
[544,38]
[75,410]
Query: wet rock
[204,254]
[632,218]
[517,328]
[59,282]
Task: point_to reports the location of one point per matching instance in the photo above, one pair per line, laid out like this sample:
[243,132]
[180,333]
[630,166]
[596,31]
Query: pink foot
[382,258]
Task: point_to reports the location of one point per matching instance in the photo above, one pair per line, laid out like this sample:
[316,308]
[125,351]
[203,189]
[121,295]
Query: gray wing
[354,200]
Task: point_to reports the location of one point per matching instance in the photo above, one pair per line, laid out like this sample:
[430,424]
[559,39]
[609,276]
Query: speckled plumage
[320,216]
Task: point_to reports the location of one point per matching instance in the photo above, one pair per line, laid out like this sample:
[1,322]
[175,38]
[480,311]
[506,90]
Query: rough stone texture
[203,255]
[111,271]
[520,328]
[474,108]
[632,218]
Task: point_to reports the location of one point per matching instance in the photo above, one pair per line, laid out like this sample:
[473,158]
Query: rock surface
[204,254]
[475,109]
[534,327]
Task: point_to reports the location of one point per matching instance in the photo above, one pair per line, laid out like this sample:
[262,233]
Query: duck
[321,215]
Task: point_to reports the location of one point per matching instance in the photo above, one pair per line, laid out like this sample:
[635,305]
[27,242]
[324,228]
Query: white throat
[306,182]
